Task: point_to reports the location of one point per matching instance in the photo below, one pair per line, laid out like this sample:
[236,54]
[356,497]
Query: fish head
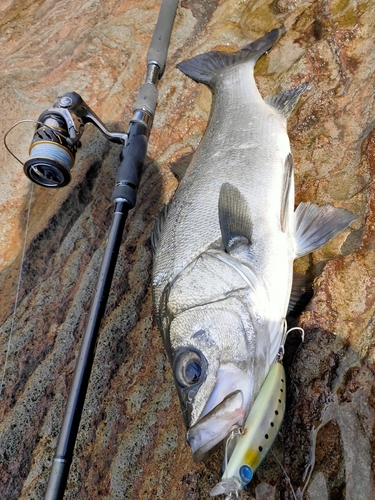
[219,365]
[214,318]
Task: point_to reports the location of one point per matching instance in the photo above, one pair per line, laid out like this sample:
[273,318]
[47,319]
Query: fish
[224,247]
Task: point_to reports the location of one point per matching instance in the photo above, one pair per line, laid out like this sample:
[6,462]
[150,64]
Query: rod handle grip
[129,172]
[146,98]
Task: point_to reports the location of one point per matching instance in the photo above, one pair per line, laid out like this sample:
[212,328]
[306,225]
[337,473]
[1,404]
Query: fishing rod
[52,155]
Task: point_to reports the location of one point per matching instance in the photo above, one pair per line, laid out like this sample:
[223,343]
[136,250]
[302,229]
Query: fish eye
[189,366]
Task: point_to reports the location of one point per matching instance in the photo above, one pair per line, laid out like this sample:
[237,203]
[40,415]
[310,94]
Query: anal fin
[315,225]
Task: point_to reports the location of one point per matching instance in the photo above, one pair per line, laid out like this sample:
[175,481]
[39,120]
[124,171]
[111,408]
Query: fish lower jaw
[214,427]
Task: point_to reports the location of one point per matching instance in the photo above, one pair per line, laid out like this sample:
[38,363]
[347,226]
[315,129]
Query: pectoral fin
[288,179]
[315,225]
[158,227]
[234,217]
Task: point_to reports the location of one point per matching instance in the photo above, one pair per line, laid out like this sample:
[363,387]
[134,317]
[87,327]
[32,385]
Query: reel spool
[52,155]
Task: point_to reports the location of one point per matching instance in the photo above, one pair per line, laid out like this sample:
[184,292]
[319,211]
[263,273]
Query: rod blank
[157,53]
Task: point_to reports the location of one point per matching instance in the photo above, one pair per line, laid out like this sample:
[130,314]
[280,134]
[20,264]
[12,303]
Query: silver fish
[225,246]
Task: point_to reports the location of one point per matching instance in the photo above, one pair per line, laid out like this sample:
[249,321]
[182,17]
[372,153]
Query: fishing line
[17,292]
[286,474]
[59,154]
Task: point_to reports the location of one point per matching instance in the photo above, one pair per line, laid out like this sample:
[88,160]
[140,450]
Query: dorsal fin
[315,225]
[234,217]
[286,101]
[204,67]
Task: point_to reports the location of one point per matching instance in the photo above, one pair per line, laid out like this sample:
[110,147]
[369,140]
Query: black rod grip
[130,170]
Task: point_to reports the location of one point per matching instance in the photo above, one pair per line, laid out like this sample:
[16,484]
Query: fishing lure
[254,440]
[258,434]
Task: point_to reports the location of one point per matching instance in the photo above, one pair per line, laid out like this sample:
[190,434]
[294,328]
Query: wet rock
[131,441]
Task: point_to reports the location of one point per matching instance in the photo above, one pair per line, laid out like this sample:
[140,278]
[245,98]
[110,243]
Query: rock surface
[131,441]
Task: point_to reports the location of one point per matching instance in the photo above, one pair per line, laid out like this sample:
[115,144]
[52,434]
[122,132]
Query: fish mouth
[215,426]
[227,406]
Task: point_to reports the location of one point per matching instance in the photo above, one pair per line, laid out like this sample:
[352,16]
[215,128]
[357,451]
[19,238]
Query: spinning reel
[56,140]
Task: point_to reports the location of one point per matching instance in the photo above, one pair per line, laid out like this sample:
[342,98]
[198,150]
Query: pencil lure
[258,434]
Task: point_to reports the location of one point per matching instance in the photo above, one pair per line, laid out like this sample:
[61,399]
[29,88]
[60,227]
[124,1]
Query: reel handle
[74,103]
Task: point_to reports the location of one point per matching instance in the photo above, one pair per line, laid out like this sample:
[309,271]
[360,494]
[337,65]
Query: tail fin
[203,68]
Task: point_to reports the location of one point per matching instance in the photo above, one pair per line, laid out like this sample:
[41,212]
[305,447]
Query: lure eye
[189,367]
[246,474]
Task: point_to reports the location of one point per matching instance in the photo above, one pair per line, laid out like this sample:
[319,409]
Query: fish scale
[224,248]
